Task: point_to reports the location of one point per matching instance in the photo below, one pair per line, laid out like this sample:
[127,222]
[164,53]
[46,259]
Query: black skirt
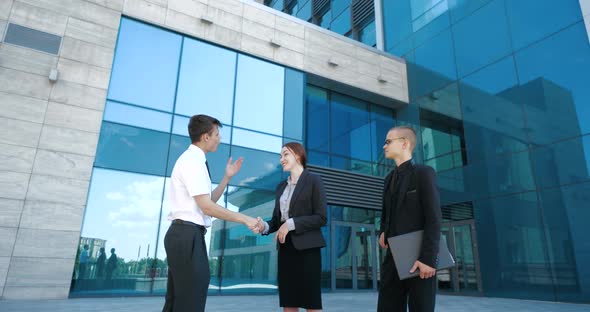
[299,276]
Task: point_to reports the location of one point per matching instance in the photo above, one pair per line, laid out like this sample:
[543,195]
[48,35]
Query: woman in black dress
[299,213]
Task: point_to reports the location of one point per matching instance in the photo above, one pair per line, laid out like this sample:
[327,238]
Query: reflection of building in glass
[247,258]
[501,110]
[94,245]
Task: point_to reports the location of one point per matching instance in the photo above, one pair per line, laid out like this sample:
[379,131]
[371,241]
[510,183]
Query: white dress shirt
[189,178]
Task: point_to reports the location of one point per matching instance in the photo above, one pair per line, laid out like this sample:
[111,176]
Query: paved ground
[333,302]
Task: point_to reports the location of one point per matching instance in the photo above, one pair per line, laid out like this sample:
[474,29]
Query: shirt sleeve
[195,178]
[290,224]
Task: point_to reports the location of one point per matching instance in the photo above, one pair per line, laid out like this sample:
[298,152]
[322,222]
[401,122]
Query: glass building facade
[498,91]
[160,79]
[354,19]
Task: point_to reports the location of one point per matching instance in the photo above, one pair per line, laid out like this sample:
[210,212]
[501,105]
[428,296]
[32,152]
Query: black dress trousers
[395,295]
[188,268]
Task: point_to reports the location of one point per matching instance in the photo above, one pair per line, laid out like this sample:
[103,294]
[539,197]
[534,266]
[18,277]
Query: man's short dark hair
[201,124]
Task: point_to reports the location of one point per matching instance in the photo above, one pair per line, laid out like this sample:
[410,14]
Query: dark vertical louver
[458,211]
[289,4]
[344,188]
[362,11]
[319,7]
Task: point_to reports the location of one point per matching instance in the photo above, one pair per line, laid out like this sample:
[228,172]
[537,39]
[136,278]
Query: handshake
[255,225]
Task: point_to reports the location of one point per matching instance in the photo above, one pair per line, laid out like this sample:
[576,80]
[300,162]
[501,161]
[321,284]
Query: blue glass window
[397,24]
[561,163]
[326,20]
[492,111]
[350,128]
[319,159]
[137,116]
[511,228]
[294,104]
[304,12]
[554,75]
[259,95]
[342,23]
[261,170]
[145,66]
[444,101]
[509,174]
[337,6]
[531,20]
[132,149]
[206,81]
[462,8]
[566,215]
[481,38]
[424,11]
[437,58]
[382,120]
[318,120]
[257,140]
[122,213]
[367,34]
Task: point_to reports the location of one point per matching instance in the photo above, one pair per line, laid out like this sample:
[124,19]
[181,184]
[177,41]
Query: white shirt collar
[198,151]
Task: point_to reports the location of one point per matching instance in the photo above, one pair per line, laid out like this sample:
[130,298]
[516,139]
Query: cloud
[115,196]
[138,205]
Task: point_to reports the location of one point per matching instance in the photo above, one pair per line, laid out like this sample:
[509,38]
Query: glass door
[465,276]
[354,258]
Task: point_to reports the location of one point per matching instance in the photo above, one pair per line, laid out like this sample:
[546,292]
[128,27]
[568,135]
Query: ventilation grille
[344,188]
[320,6]
[362,11]
[457,212]
[33,39]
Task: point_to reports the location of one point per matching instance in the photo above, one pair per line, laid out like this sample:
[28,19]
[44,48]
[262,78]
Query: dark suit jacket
[307,208]
[417,208]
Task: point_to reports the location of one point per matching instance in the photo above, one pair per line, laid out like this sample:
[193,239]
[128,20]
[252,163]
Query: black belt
[178,221]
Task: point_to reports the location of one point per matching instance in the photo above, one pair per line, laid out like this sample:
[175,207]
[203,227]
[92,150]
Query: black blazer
[417,208]
[307,208]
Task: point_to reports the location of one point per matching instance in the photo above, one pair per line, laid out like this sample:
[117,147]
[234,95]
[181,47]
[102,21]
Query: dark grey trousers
[188,269]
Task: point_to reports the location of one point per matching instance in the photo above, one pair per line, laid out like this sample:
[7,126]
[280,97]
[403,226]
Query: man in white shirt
[192,204]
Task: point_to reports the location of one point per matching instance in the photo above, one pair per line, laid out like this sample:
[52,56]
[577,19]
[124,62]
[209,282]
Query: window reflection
[516,254]
[257,140]
[294,104]
[566,217]
[346,133]
[206,81]
[556,93]
[145,66]
[442,141]
[249,260]
[481,38]
[122,217]
[528,26]
[318,119]
[259,95]
[132,149]
[261,170]
[492,110]
[136,116]
[350,127]
[561,163]
[382,119]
